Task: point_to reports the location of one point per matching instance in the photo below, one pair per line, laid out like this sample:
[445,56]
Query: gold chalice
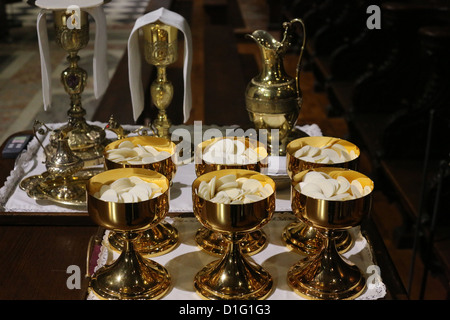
[301,236]
[234,276]
[210,240]
[163,237]
[130,276]
[326,275]
[161,50]
[86,141]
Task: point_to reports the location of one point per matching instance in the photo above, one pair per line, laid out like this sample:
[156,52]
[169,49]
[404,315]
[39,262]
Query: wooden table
[37,252]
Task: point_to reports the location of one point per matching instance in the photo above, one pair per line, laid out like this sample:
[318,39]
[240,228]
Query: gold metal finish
[210,240]
[233,276]
[163,237]
[130,276]
[166,167]
[161,50]
[153,242]
[86,141]
[273,98]
[300,236]
[64,182]
[327,275]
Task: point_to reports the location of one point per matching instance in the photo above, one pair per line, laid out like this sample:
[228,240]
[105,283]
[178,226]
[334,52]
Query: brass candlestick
[301,236]
[327,275]
[85,140]
[233,276]
[161,50]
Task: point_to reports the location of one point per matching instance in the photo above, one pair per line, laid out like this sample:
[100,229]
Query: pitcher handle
[297,73]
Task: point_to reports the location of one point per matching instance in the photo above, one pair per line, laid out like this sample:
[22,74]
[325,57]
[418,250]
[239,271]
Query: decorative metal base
[215,243]
[326,276]
[233,277]
[304,239]
[131,277]
[156,241]
[69,191]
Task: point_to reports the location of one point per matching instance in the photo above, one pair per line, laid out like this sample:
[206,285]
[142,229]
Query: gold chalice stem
[74,79]
[234,276]
[153,242]
[162,94]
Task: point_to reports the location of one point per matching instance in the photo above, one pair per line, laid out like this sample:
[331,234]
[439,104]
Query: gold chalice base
[131,277]
[326,276]
[215,243]
[300,237]
[153,242]
[219,281]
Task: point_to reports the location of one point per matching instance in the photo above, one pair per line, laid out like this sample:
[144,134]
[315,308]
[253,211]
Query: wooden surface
[35,257]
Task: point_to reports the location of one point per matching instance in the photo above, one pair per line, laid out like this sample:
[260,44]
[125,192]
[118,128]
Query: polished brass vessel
[210,240]
[130,276]
[86,141]
[161,50]
[233,276]
[273,98]
[326,275]
[301,236]
[163,237]
[62,182]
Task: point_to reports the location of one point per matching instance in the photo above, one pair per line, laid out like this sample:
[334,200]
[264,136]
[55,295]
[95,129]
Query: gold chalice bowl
[230,153]
[233,276]
[151,153]
[327,275]
[314,152]
[130,276]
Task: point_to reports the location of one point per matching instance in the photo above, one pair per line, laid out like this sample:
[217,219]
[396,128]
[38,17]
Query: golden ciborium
[301,236]
[326,275]
[233,276]
[161,50]
[130,276]
[273,98]
[163,237]
[85,140]
[213,241]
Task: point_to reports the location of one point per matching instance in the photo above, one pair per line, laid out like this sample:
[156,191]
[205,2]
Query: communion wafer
[320,185]
[232,190]
[129,189]
[230,151]
[128,153]
[335,153]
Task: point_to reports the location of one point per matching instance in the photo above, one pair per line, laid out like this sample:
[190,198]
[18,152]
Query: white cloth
[134,58]
[184,261]
[101,77]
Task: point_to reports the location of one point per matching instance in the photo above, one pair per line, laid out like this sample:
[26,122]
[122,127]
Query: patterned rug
[20,77]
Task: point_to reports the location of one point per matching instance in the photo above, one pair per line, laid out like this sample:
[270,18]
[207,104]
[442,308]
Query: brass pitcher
[273,98]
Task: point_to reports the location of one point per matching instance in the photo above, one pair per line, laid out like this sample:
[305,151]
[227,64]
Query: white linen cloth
[187,259]
[134,58]
[95,9]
